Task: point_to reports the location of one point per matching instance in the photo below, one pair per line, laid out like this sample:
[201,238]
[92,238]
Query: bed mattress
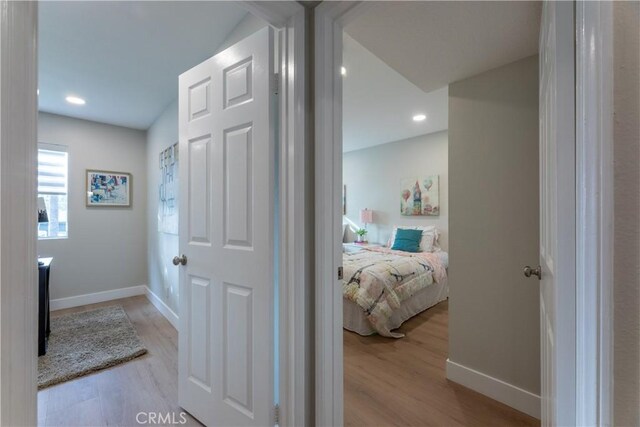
[380,281]
[354,318]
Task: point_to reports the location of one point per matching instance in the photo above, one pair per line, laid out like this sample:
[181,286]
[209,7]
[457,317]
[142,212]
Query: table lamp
[366,217]
[42,215]
[42,211]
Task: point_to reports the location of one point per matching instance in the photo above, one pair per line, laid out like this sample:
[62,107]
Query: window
[53,172]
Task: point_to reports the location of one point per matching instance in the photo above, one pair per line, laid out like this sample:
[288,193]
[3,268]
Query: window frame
[45,146]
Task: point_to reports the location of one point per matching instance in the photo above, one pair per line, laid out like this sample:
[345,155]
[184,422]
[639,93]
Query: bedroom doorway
[528,383]
[424,142]
[21,406]
[139,137]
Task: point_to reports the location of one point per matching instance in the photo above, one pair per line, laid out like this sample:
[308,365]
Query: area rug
[82,343]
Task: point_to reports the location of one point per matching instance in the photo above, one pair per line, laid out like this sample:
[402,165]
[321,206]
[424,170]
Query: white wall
[494,223]
[111,248]
[162,247]
[373,175]
[627,213]
[106,246]
[247,26]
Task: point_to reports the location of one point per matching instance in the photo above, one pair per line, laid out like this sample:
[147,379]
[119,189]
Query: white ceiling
[401,56]
[436,43]
[124,58]
[379,104]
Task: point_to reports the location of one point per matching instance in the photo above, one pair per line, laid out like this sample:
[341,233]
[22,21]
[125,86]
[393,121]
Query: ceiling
[400,58]
[124,58]
[379,103]
[405,55]
[435,43]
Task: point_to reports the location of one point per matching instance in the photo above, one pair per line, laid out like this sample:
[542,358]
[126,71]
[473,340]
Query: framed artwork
[344,199]
[420,196]
[168,190]
[108,189]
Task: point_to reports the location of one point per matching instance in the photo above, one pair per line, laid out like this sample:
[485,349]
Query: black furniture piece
[44,268]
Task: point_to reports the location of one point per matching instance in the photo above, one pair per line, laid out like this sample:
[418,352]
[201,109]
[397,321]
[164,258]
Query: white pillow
[429,240]
[436,242]
[344,232]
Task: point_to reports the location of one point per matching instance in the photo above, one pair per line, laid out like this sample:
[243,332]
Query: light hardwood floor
[387,382]
[402,382]
[113,397]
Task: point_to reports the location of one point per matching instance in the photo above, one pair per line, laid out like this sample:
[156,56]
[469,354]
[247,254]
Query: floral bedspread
[379,279]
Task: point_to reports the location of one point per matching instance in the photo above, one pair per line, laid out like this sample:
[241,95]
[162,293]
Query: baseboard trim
[78,300]
[162,307]
[499,390]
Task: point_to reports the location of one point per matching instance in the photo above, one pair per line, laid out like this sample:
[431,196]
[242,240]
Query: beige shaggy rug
[81,343]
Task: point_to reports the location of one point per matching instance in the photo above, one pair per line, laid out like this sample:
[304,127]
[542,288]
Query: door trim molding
[290,19]
[18,263]
[594,168]
[594,213]
[330,18]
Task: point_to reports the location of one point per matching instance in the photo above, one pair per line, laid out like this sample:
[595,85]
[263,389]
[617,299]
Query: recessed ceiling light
[75,100]
[419,117]
[343,71]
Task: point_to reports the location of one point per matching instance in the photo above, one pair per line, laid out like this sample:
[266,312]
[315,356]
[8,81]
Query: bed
[383,288]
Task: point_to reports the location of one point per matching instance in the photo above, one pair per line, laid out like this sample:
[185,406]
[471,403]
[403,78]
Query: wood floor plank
[43,404]
[408,387]
[115,396]
[80,414]
[402,382]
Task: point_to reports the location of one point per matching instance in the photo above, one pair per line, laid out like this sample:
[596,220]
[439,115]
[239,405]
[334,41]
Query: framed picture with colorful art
[344,199]
[420,196]
[108,189]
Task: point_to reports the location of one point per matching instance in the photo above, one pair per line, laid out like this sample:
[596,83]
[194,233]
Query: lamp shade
[366,216]
[42,210]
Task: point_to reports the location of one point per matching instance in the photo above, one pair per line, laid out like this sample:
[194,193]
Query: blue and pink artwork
[420,196]
[168,191]
[108,188]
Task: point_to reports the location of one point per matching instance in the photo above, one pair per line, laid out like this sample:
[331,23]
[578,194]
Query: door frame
[18,265]
[594,215]
[18,123]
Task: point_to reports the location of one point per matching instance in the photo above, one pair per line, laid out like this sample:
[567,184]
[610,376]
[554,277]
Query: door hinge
[276,83]
[276,414]
[340,273]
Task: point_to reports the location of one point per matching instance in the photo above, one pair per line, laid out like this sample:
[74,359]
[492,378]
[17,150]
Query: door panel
[226,233]
[237,186]
[237,347]
[237,83]
[199,333]
[199,165]
[557,213]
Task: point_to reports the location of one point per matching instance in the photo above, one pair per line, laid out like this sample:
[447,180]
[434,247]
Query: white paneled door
[227,166]
[557,214]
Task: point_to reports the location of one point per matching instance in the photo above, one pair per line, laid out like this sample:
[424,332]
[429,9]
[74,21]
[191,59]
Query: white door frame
[18,264]
[594,214]
[294,257]
[18,151]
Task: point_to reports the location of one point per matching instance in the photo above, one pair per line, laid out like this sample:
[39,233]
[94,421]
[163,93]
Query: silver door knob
[528,272]
[182,259]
